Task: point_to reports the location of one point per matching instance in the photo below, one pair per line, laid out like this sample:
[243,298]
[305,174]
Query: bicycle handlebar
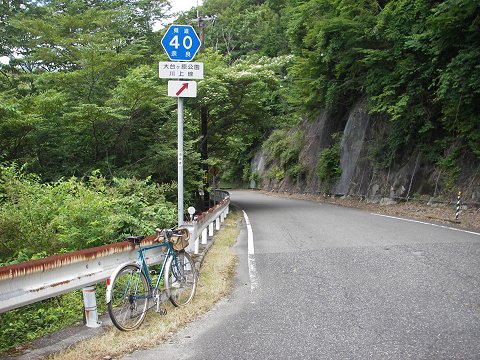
[168,233]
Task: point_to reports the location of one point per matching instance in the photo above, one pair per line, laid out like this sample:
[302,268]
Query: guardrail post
[192,243]
[90,307]
[204,236]
[210,229]
[217,223]
[197,245]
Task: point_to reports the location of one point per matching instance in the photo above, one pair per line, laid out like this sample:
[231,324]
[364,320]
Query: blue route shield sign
[181,42]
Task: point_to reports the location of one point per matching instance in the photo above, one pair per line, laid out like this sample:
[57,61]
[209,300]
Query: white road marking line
[427,223]
[252,268]
[252,271]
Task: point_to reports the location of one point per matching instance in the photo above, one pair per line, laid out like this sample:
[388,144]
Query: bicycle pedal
[162,311]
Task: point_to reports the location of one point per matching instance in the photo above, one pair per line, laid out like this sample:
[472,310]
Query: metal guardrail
[213,217]
[32,281]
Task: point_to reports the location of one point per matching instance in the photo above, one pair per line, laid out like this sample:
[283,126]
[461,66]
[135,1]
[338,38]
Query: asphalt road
[328,282]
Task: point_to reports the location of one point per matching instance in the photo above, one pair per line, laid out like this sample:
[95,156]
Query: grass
[215,281]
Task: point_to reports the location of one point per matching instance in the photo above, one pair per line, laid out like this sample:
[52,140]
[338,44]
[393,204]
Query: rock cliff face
[351,147]
[411,176]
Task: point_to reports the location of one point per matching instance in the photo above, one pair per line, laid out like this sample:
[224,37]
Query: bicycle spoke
[129,298]
[181,279]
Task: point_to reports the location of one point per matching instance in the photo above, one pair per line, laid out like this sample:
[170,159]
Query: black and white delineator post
[459,201]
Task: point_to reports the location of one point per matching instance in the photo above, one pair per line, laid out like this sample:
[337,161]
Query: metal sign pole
[180,161]
[181,43]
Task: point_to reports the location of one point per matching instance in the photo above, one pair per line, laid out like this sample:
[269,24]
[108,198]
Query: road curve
[339,283]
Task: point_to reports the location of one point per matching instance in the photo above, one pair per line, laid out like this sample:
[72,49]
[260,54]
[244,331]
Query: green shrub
[328,163]
[276,173]
[283,147]
[298,171]
[255,176]
[74,214]
[42,318]
[35,320]
[450,167]
[38,220]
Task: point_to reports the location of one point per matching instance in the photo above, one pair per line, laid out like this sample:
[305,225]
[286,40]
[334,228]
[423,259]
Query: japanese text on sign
[180,70]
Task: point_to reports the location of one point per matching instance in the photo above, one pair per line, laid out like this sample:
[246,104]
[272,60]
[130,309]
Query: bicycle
[131,286]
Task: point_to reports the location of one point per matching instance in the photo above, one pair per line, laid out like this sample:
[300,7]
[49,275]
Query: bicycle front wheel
[180,278]
[129,298]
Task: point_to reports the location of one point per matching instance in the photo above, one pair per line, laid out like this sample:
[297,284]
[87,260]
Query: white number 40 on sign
[187,42]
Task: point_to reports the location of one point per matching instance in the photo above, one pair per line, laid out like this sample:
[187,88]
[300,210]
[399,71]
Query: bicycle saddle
[135,239]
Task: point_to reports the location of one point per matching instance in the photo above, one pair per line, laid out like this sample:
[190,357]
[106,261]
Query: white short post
[210,229]
[192,228]
[204,236]
[197,245]
[90,307]
[217,223]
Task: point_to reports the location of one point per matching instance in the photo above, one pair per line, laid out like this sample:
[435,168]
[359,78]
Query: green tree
[328,38]
[424,74]
[453,27]
[69,57]
[244,103]
[246,27]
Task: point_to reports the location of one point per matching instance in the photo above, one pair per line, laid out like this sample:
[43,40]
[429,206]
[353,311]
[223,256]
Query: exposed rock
[352,145]
[387,201]
[412,176]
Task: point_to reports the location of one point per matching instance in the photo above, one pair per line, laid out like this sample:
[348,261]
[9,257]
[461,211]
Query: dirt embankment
[469,217]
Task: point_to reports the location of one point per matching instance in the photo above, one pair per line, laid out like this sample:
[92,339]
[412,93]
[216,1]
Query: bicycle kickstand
[162,311]
[158,309]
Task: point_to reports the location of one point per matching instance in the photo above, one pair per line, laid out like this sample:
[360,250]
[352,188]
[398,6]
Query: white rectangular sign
[182,89]
[180,70]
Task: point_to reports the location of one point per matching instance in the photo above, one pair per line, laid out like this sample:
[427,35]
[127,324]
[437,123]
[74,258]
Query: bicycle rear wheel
[180,279]
[129,298]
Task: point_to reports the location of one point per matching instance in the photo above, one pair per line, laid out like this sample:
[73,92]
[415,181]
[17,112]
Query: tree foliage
[416,61]
[74,214]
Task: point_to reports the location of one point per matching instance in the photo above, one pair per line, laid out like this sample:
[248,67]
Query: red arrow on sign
[184,87]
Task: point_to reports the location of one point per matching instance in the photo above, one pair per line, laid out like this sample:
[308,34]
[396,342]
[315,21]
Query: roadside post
[181,43]
[90,307]
[459,202]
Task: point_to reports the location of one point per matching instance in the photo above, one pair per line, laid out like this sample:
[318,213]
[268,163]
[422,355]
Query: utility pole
[201,25]
[204,111]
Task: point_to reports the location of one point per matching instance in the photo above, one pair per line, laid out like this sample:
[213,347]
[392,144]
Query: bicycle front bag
[180,238]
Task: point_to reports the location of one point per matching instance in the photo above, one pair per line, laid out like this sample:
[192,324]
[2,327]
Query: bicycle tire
[129,298]
[181,279]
